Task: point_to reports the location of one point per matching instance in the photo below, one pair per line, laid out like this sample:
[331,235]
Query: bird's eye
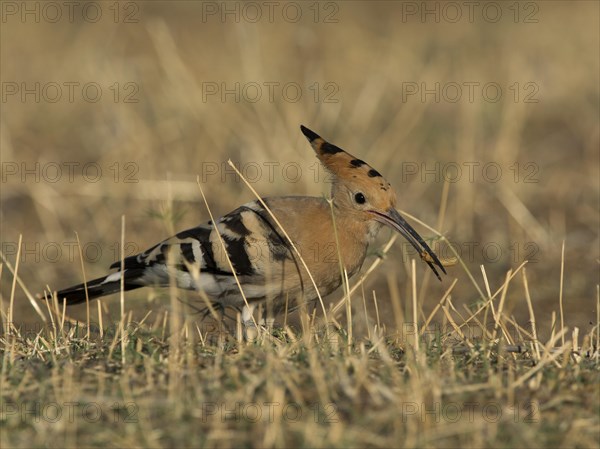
[360,198]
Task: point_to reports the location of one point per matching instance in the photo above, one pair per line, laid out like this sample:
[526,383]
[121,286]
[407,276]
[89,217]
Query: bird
[263,251]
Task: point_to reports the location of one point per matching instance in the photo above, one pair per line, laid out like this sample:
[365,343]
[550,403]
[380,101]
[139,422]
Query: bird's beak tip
[393,219]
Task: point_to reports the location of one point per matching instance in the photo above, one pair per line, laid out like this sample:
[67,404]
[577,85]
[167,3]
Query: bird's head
[359,189]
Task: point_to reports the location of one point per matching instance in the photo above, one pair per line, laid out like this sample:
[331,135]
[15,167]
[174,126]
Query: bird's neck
[356,224]
[354,234]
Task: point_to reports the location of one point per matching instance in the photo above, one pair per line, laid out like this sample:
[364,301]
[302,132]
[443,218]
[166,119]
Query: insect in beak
[394,220]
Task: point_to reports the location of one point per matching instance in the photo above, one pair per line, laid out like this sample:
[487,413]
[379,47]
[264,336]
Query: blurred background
[486,112]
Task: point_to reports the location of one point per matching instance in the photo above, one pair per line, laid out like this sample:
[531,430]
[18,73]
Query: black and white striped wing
[198,259]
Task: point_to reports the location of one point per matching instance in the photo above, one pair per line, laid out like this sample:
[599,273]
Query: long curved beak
[394,220]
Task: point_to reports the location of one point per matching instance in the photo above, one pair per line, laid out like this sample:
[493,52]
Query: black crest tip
[310,135]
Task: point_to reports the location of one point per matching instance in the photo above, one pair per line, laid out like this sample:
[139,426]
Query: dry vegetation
[504,352]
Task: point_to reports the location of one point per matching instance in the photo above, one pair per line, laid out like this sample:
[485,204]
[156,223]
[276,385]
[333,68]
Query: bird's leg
[268,315]
[265,320]
[269,322]
[248,322]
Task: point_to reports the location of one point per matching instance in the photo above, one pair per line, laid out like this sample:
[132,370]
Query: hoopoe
[327,235]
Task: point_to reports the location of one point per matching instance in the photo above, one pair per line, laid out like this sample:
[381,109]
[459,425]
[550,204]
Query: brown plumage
[266,266]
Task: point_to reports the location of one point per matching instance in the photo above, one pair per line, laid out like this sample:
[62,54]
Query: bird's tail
[101,287]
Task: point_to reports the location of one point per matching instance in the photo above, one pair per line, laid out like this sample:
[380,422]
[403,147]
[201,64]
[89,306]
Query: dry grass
[512,347]
[315,389]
